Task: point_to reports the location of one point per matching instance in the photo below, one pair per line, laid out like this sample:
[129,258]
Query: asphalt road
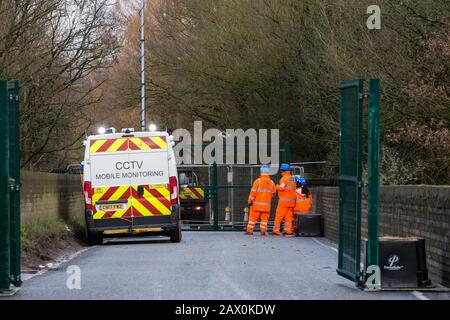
[206,265]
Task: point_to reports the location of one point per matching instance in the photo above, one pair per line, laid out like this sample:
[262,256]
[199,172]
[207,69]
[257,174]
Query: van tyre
[175,235]
[95,238]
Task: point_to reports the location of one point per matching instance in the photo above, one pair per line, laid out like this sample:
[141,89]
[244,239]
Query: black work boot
[263,234]
[249,233]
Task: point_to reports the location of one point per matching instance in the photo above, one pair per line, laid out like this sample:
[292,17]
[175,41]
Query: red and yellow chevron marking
[192,194]
[111,194]
[148,143]
[128,144]
[154,202]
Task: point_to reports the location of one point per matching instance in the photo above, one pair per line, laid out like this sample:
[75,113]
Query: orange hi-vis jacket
[303,203]
[263,190]
[286,191]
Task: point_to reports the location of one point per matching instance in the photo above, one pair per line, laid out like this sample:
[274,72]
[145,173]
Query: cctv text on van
[125,171]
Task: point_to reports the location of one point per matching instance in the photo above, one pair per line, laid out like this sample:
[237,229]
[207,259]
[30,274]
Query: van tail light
[88,194]
[173,186]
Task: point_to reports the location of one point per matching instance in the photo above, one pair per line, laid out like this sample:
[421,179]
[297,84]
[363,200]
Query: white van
[130,185]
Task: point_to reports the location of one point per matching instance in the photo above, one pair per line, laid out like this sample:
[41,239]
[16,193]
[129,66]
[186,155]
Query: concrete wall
[53,196]
[422,211]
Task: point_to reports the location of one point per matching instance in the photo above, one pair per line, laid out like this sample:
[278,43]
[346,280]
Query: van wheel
[95,238]
[175,235]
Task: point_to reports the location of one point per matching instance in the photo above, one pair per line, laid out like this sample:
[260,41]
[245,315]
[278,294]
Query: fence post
[4,190]
[215,203]
[374,172]
[14,160]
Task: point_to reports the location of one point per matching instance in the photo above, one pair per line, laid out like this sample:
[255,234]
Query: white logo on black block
[393,263]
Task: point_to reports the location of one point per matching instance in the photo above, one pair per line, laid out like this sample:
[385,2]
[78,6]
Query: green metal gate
[226,188]
[350,171]
[9,185]
[350,177]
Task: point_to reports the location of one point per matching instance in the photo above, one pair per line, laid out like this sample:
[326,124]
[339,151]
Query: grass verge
[44,240]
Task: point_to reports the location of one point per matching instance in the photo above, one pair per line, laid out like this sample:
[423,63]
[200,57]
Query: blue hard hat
[285,167]
[264,169]
[300,180]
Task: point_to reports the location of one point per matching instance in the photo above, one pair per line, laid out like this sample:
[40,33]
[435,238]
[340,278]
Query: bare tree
[60,51]
[267,63]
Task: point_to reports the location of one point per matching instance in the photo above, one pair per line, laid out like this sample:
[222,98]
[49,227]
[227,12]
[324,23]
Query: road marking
[333,248]
[28,276]
[419,295]
[325,245]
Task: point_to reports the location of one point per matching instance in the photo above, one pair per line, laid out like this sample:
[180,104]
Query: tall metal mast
[143,115]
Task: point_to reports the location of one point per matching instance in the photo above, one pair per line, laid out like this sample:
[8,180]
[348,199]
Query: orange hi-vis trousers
[286,213]
[254,217]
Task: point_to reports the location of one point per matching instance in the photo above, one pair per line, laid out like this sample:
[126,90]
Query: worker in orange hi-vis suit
[286,202]
[303,199]
[260,199]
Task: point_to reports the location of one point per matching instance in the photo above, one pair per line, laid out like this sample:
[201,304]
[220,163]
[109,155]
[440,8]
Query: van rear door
[112,196]
[149,180]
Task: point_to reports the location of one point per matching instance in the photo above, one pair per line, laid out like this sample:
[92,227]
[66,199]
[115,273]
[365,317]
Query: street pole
[143,115]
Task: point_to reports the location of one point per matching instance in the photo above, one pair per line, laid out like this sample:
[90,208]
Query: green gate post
[215,203]
[14,160]
[4,190]
[374,171]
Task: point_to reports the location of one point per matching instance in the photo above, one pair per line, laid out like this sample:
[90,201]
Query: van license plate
[113,207]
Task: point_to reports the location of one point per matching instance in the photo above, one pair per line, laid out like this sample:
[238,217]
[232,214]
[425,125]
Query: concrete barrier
[51,196]
[421,211]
